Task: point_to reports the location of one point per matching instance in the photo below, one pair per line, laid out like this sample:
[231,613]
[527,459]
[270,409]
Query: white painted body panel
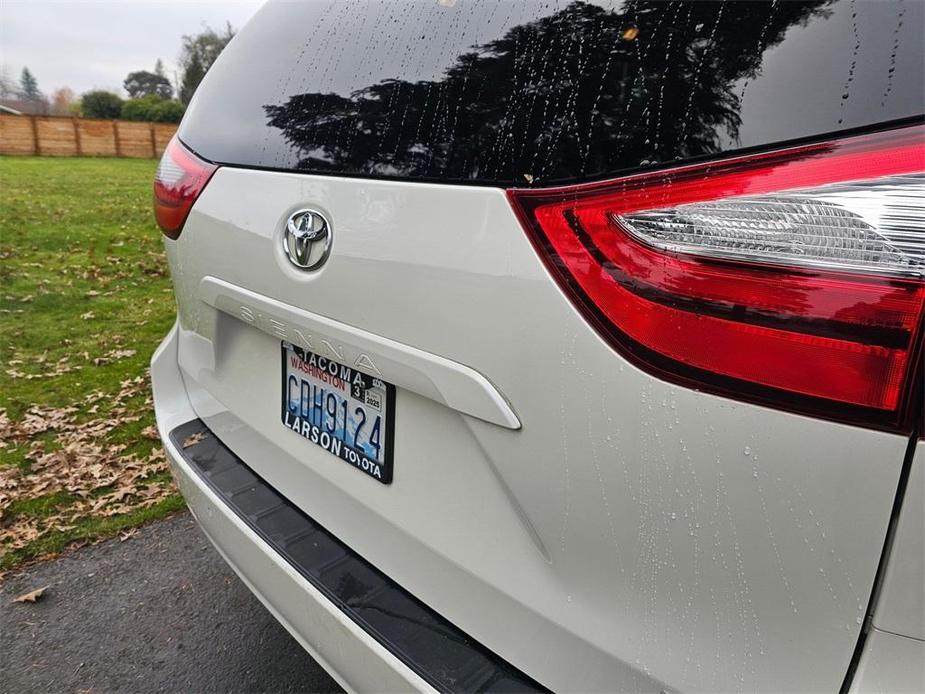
[448,383]
[629,535]
[901,603]
[332,638]
[891,664]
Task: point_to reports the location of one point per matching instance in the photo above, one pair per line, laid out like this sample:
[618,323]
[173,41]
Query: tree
[142,83]
[193,72]
[29,86]
[100,104]
[62,100]
[159,68]
[198,53]
[7,84]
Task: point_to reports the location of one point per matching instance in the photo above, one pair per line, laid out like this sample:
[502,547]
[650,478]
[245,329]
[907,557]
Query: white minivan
[570,346]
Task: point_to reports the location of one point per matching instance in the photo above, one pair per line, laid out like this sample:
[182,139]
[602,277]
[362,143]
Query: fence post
[80,150]
[36,147]
[115,135]
[153,143]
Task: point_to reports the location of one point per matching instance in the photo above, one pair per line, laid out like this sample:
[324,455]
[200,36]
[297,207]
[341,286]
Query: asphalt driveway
[159,612]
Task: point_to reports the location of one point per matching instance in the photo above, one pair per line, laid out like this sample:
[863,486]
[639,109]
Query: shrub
[170,112]
[100,104]
[152,108]
[140,108]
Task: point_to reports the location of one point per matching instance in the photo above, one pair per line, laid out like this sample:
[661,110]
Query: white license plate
[347,413]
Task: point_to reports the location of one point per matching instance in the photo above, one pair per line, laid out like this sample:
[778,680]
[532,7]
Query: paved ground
[160,612]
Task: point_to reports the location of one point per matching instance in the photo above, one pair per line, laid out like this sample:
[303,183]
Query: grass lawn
[84,300]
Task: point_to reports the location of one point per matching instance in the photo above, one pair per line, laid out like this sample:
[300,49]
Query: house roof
[23,106]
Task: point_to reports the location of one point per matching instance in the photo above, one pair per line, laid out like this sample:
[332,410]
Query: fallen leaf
[70,452]
[32,595]
[114,355]
[193,439]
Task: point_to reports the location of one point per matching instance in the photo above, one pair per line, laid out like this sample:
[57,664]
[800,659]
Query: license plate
[347,413]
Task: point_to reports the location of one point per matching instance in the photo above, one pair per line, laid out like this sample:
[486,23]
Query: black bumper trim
[435,649]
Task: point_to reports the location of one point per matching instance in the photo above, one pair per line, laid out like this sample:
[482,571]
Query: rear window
[522,92]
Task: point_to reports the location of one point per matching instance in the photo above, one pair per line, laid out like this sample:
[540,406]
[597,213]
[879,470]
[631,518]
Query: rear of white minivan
[526,347]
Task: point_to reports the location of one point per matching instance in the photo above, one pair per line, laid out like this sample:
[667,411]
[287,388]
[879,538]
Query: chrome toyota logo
[307,239]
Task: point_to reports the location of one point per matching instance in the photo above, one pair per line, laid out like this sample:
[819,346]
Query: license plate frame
[306,376]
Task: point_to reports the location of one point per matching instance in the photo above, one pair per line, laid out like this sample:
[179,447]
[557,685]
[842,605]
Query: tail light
[181,176]
[794,278]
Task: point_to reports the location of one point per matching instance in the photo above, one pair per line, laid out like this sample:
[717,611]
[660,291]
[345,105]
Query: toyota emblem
[307,239]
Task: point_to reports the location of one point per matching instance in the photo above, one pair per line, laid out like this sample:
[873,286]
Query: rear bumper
[367,632]
[356,660]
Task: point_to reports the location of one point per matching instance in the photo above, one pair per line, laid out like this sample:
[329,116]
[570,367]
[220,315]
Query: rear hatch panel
[631,533]
[599,528]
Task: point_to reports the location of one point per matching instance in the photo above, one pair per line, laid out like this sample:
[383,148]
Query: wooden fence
[61,136]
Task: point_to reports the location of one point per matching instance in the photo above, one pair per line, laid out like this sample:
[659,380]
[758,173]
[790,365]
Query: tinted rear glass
[526,92]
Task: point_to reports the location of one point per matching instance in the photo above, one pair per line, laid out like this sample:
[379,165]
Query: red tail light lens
[181,176]
[794,278]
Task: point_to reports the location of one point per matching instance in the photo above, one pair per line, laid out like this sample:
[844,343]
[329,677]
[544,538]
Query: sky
[89,44]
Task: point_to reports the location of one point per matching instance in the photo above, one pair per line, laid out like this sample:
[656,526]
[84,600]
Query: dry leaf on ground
[32,595]
[99,477]
[113,355]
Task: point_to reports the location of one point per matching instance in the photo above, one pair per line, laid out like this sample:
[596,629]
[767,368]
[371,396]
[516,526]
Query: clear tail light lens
[873,226]
[794,278]
[181,176]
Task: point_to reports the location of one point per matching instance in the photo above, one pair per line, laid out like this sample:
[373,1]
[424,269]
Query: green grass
[44,505]
[77,237]
[82,273]
[90,529]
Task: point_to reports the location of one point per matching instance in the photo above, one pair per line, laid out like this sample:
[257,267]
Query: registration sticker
[348,413]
